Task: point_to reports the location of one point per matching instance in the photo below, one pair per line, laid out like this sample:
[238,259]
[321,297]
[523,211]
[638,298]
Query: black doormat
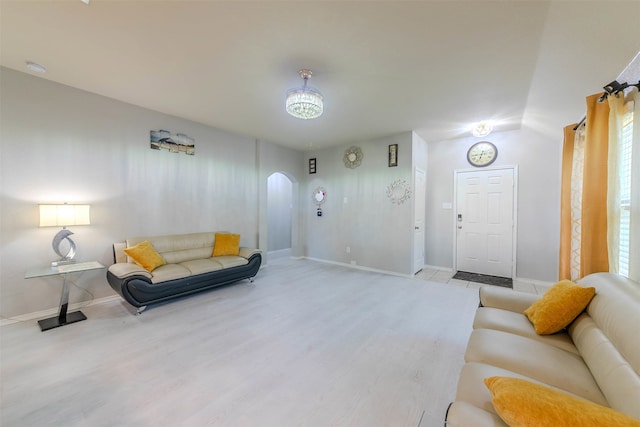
[483,278]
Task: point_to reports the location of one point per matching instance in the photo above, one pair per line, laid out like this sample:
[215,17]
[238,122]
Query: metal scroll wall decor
[399,191]
[352,157]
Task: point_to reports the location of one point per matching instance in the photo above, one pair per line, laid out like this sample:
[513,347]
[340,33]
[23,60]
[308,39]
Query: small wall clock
[482,153]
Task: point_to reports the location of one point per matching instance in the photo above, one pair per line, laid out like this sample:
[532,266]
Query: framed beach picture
[174,143]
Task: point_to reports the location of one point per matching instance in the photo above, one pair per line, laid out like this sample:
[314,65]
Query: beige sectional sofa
[597,357]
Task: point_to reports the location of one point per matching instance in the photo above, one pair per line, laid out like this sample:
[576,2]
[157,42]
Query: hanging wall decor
[352,157]
[312,165]
[319,196]
[393,155]
[399,191]
[178,143]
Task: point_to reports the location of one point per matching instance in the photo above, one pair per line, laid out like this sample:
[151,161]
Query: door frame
[514,247]
[424,220]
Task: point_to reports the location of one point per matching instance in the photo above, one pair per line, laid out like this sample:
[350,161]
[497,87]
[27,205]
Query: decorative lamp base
[62,262]
[57,321]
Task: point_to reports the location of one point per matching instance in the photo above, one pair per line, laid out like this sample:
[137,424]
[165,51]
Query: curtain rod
[584,119]
[612,88]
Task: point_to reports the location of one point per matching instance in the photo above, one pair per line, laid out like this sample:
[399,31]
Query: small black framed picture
[312,165]
[393,155]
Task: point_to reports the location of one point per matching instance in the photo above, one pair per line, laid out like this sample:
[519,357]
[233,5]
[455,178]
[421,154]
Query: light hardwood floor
[308,344]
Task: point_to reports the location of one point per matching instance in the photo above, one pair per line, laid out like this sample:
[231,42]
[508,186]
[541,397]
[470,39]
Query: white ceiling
[383,66]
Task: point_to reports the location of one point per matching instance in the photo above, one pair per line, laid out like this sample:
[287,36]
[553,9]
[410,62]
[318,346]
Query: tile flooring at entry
[445,276]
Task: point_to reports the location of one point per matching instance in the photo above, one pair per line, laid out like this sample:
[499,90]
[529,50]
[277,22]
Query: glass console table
[63,318]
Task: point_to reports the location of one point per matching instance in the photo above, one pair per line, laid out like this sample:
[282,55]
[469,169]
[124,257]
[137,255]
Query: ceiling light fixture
[305,102]
[482,129]
[36,67]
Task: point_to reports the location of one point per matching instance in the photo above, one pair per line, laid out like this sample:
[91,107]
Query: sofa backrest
[608,339]
[176,248]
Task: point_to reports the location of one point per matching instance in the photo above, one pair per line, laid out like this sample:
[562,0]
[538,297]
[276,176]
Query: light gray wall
[357,212]
[279,208]
[538,159]
[60,144]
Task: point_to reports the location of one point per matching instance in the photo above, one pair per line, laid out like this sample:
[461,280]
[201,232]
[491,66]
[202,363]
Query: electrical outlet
[353,262]
[348,249]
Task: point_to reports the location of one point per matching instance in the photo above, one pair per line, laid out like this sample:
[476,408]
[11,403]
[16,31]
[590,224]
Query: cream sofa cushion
[169,272]
[506,299]
[199,266]
[177,248]
[128,269]
[230,261]
[609,341]
[534,359]
[618,381]
[515,323]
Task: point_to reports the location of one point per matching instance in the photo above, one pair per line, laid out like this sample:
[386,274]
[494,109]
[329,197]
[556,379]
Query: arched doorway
[279,216]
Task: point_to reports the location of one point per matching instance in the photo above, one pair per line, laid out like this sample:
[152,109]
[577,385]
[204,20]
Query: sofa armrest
[506,299]
[247,252]
[123,270]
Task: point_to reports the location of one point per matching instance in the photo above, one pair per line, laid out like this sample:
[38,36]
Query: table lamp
[62,216]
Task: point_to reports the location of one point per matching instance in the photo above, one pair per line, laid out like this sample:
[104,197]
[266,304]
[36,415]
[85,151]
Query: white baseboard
[360,267]
[53,311]
[280,253]
[437,267]
[535,282]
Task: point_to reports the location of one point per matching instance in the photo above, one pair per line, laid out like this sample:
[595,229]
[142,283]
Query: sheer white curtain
[577,172]
[619,107]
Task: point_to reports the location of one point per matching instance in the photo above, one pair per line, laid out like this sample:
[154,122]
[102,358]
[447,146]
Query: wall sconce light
[64,216]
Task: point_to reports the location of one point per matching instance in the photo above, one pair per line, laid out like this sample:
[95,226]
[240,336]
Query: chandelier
[304,102]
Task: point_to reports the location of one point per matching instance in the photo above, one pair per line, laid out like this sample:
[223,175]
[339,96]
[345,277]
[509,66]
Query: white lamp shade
[64,215]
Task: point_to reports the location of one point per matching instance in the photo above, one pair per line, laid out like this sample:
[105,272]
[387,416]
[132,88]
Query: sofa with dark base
[585,374]
[186,264]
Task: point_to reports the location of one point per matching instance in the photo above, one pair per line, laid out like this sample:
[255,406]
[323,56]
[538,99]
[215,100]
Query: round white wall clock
[482,153]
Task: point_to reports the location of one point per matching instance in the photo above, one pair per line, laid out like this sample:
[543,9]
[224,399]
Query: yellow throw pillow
[557,308]
[145,256]
[226,244]
[522,403]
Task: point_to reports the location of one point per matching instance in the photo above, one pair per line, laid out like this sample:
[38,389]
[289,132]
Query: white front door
[485,221]
[420,186]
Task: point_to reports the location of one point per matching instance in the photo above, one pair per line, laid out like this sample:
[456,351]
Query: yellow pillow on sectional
[557,308]
[523,403]
[145,256]
[226,244]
